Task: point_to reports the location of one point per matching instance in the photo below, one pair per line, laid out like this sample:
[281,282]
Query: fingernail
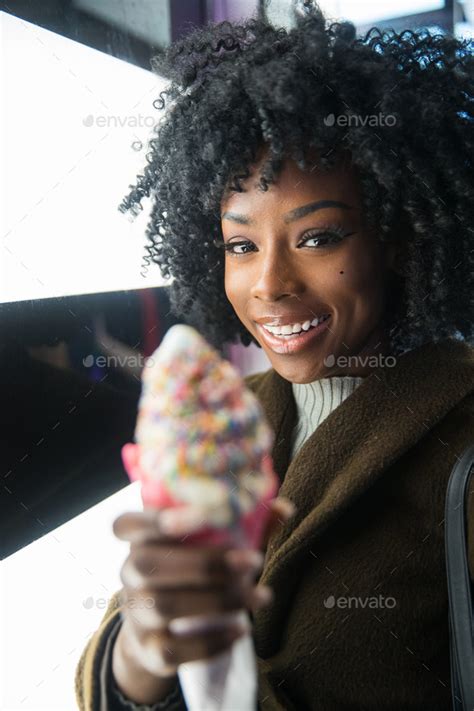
[168,522]
[175,522]
[290,508]
[264,594]
[188,626]
[238,559]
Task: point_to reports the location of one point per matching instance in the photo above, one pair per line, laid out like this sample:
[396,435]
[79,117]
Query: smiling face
[299,251]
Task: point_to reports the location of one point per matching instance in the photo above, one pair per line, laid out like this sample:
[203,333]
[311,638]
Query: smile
[290,329]
[294,342]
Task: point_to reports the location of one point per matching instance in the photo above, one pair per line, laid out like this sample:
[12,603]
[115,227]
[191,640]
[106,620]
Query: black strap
[460,590]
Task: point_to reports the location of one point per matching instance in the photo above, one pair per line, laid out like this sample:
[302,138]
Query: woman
[303,175]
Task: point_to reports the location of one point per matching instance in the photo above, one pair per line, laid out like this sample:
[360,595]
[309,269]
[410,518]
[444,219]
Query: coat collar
[351,448]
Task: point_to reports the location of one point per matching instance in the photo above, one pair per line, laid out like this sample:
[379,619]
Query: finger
[260,596]
[283,507]
[164,652]
[141,608]
[281,510]
[139,526]
[205,560]
[168,524]
[244,559]
[183,520]
[155,609]
[158,566]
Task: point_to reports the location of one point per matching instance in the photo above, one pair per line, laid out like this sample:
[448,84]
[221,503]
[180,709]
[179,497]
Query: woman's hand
[164,579]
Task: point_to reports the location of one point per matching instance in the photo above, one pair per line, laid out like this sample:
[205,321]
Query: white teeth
[289,329]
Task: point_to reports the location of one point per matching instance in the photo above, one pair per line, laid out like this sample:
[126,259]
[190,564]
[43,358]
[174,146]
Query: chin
[295,374]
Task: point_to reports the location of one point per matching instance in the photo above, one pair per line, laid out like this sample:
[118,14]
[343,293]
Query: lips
[291,317]
[295,344]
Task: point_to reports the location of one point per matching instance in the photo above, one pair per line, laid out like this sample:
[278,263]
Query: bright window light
[53,595]
[74,136]
[366,11]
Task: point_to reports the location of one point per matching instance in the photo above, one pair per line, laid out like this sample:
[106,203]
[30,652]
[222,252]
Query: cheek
[353,284]
[234,285]
[359,275]
[238,284]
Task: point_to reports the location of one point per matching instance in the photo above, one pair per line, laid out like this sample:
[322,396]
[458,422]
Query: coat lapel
[354,445]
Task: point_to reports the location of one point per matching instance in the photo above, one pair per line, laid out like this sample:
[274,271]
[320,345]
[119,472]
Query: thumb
[281,510]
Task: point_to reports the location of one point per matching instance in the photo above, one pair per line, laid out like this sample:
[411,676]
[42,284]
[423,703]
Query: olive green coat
[359,620]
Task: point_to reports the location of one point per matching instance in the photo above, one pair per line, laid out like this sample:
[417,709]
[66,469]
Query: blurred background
[79,308]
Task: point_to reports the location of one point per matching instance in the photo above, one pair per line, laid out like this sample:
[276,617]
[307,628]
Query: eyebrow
[291,216]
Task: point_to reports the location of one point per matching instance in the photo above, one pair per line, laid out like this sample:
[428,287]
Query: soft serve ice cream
[202,437]
[202,441]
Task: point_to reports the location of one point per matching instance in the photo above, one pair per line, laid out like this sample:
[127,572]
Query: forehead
[294,187]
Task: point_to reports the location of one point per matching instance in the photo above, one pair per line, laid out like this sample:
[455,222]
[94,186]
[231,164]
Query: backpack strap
[460,586]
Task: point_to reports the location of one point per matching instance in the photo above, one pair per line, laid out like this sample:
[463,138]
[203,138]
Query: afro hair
[235,87]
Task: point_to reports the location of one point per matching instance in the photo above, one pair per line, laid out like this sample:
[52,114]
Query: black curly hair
[235,87]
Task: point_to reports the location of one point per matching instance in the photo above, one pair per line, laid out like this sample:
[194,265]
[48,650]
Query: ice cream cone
[202,440]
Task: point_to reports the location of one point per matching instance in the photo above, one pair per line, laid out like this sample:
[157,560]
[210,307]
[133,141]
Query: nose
[276,277]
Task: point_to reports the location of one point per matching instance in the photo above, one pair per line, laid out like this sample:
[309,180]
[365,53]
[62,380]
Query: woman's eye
[324,239]
[229,247]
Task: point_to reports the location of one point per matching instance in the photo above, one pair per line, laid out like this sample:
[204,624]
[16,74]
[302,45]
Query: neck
[316,400]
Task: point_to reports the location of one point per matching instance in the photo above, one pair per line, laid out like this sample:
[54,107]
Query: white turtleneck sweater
[315,401]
